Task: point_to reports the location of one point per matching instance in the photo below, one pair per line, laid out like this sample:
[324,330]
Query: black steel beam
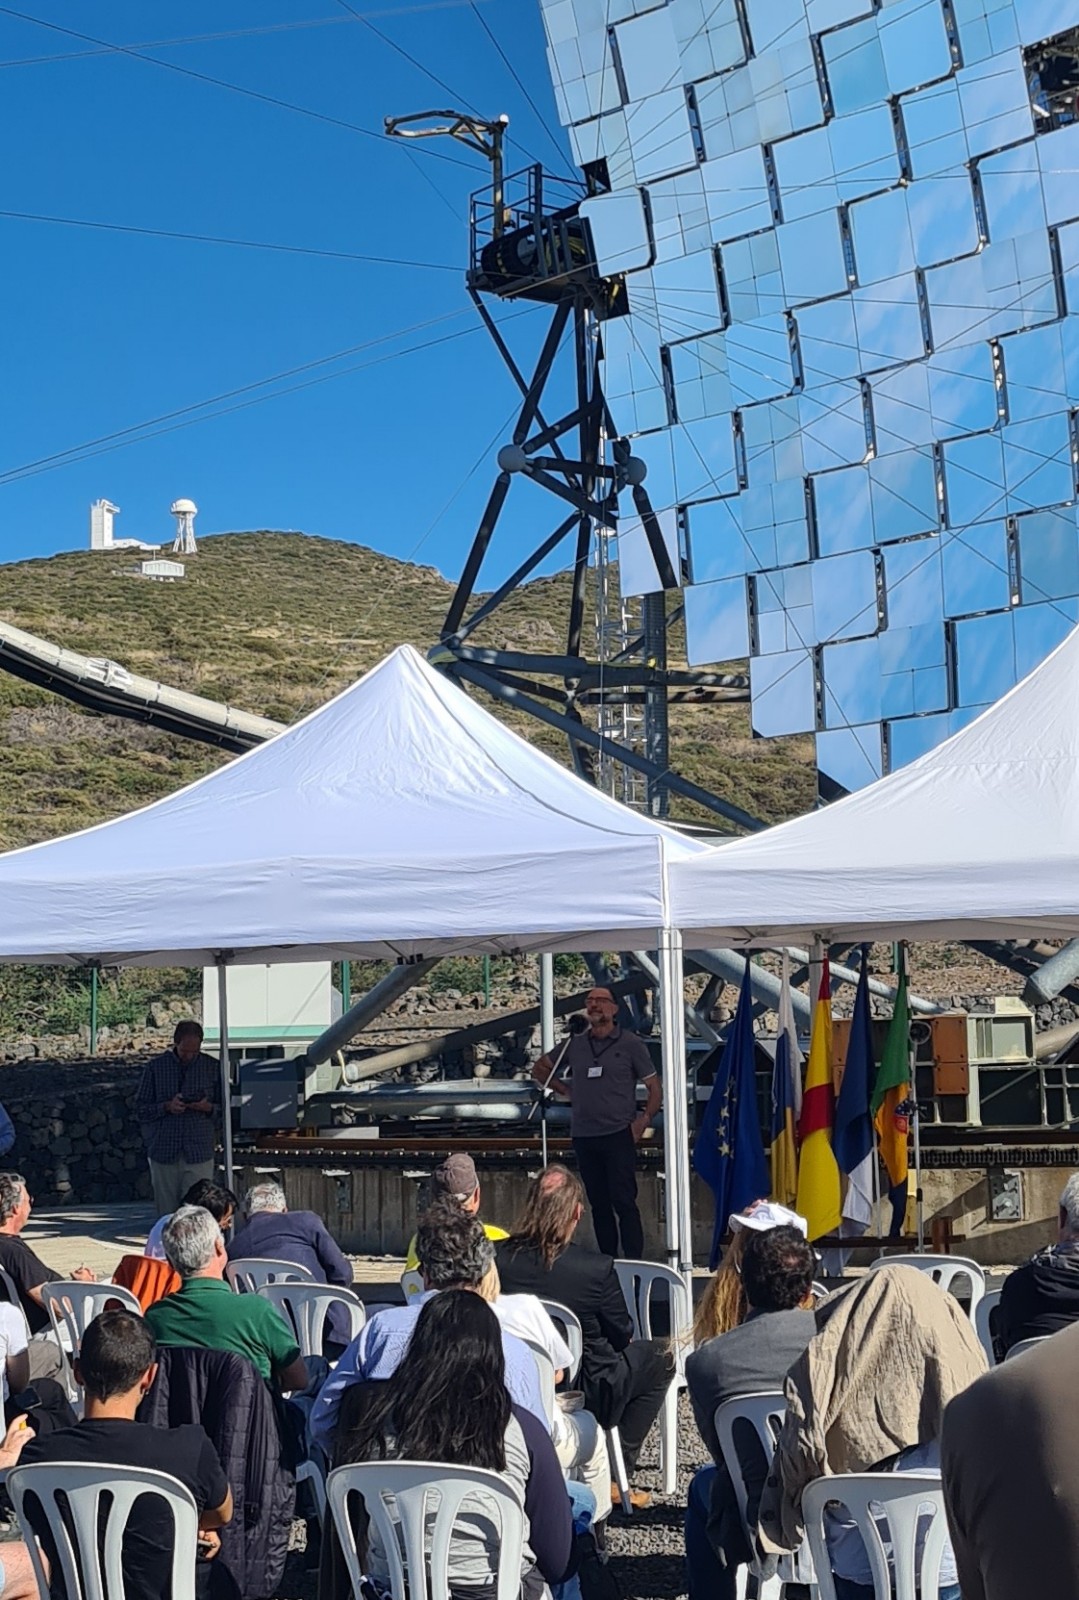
[582,734]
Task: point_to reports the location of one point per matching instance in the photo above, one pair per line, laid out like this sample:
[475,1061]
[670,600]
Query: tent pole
[226,1072]
[546,989]
[676,1107]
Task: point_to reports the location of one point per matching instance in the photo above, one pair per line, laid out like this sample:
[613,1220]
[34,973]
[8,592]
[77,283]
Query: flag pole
[919,1213]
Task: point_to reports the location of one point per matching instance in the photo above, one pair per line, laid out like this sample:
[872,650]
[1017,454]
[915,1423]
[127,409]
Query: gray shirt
[603,1076]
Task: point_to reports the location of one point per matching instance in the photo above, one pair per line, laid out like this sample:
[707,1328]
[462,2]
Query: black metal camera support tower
[529,242]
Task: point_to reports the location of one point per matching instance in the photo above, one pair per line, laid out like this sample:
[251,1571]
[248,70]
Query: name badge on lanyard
[596,1071]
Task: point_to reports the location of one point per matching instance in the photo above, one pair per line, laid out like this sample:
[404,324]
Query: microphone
[578,1023]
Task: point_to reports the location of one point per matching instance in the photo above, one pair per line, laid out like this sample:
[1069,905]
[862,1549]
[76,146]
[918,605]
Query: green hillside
[276,623]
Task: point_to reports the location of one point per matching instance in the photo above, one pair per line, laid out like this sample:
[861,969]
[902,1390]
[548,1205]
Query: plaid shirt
[171,1139]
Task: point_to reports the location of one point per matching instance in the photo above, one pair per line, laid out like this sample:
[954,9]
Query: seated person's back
[454,1182]
[1042,1296]
[206,1313]
[115,1367]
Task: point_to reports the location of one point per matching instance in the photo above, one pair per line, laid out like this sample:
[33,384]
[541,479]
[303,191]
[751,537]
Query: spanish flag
[786,1099]
[891,1089]
[819,1195]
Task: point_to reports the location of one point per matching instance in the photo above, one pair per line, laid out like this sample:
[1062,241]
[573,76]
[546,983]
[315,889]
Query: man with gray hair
[1042,1296]
[454,1253]
[274,1233]
[29,1273]
[205,1313]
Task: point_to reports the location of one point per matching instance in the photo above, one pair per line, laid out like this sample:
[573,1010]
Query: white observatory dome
[178,507]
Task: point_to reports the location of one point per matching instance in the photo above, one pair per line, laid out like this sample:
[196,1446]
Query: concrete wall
[371,1208]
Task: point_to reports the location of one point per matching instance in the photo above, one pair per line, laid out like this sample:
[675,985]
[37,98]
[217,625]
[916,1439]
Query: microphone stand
[547,1094]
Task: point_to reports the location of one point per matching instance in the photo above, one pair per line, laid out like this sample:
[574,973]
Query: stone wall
[76,1136]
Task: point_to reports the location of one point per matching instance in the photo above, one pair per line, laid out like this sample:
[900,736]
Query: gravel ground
[645,1551]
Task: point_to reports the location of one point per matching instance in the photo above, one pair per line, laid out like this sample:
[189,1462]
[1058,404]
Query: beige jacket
[888,1356]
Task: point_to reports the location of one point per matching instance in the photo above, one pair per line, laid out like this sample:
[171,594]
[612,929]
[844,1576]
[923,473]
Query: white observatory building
[102,516]
[185,512]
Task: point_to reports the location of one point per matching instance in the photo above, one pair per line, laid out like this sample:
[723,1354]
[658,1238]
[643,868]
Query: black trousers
[651,1368]
[608,1167]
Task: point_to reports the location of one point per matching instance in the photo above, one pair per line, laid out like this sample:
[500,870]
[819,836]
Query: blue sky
[105,331]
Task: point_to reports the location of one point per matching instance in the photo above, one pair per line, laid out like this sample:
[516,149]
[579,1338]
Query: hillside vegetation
[277,623]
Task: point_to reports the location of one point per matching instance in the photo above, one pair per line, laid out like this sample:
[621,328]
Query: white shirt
[523,1314]
[13,1336]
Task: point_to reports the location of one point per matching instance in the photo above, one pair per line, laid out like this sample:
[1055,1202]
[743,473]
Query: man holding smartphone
[177,1103]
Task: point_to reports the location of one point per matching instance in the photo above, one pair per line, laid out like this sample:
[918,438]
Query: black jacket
[1040,1297]
[587,1283]
[226,1394]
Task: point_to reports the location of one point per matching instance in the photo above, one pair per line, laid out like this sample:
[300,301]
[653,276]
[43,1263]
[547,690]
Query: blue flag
[729,1152]
[854,1140]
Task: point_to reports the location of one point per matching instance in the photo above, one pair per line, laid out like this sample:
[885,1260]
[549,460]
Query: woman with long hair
[580,1443]
[447,1402]
[869,1395]
[723,1305]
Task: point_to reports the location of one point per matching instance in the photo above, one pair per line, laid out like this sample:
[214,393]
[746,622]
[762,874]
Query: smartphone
[28,1400]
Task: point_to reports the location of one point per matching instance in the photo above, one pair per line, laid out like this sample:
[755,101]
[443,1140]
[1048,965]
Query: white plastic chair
[1026,1344]
[639,1280]
[305,1307]
[764,1413]
[545,1368]
[310,1471]
[411,1283]
[91,1567]
[986,1305]
[247,1274]
[72,1306]
[943,1270]
[912,1510]
[568,1324]
[414,1505]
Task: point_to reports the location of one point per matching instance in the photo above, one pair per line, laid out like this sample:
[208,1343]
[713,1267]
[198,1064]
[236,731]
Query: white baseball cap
[766,1214]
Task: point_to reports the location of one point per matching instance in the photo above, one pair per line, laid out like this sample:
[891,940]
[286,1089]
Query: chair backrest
[545,1368]
[819,1291]
[414,1505]
[569,1326]
[985,1307]
[1026,1344]
[944,1270]
[736,1422]
[7,1283]
[639,1281]
[411,1283]
[72,1306]
[92,1568]
[247,1274]
[911,1510]
[305,1306]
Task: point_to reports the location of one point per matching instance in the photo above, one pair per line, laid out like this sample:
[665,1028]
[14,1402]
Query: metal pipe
[730,966]
[676,1121]
[840,974]
[546,988]
[407,1055]
[397,982]
[224,1065]
[466,1099]
[1054,974]
[700,1025]
[1054,1040]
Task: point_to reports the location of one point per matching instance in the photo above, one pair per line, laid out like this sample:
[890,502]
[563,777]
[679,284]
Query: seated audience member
[205,1313]
[447,1400]
[220,1202]
[274,1233]
[723,1304]
[454,1182]
[580,1443]
[624,1379]
[115,1368]
[454,1253]
[777,1271]
[28,1272]
[868,1395]
[1010,1463]
[1042,1296]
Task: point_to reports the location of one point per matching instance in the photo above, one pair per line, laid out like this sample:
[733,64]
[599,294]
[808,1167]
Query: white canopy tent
[978,838]
[399,820]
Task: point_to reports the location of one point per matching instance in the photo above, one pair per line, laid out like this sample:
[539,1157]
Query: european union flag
[729,1152]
